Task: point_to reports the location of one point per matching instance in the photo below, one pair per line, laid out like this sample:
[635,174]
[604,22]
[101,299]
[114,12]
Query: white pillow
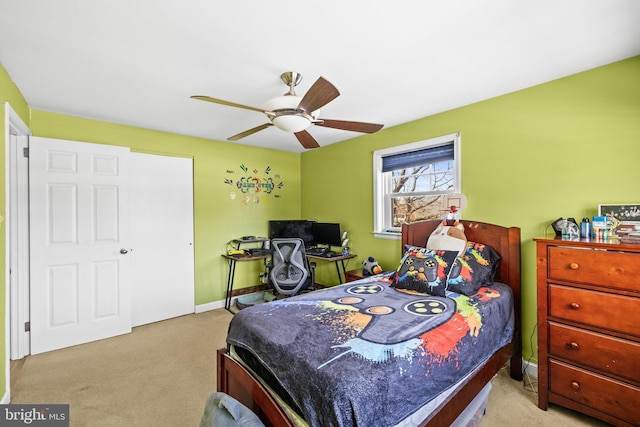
[448,238]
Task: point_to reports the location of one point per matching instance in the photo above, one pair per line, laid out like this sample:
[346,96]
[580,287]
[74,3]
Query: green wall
[528,157]
[218,218]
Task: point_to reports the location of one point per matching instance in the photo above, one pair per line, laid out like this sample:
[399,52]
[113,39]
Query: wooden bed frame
[239,383]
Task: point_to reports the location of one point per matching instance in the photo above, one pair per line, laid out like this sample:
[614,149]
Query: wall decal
[253,185]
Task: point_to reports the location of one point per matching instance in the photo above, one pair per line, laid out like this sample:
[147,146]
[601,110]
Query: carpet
[162,374]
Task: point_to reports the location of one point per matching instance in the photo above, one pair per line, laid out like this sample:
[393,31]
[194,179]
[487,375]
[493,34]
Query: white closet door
[162,234]
[79,225]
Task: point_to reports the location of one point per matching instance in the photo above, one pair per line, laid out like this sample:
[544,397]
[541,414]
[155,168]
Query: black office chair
[291,272]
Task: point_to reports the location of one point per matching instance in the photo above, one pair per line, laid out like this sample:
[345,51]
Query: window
[411,180]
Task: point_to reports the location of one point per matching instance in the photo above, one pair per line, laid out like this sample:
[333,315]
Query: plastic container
[473,413]
[585,228]
[255,298]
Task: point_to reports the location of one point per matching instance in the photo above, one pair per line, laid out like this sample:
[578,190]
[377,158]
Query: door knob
[123,251]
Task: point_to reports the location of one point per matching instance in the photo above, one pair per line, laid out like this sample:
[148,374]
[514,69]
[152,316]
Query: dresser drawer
[608,311]
[605,353]
[612,397]
[611,269]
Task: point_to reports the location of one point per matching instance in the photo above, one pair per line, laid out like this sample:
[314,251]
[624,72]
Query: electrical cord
[528,383]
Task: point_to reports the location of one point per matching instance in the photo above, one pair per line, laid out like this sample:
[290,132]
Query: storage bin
[473,413]
[248,300]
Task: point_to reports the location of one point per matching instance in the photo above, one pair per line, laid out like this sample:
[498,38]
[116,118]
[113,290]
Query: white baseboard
[211,306]
[215,305]
[530,369]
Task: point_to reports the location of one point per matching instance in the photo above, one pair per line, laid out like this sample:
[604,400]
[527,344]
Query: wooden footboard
[236,381]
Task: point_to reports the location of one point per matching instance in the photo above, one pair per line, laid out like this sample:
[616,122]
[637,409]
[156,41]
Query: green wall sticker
[254,186]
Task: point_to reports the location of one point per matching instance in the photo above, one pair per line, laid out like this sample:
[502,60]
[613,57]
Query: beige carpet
[161,375]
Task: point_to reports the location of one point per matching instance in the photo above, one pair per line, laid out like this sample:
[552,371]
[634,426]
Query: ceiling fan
[292,113]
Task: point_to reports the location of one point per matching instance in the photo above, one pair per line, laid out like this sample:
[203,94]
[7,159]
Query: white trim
[388,234]
[13,125]
[530,369]
[18,235]
[381,210]
[13,120]
[212,305]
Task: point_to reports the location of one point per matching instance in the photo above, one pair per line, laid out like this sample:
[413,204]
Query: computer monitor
[326,233]
[301,228]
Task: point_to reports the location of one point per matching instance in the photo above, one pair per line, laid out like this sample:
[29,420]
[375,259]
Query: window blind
[418,157]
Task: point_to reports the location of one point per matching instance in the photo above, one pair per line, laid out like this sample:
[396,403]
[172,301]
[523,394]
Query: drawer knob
[574,305]
[575,385]
[574,266]
[573,345]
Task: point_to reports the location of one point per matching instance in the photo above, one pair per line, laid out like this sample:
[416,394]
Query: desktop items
[345,243]
[301,228]
[326,233]
[319,237]
[566,227]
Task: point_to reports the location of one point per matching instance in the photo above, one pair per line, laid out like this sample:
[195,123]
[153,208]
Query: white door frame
[16,241]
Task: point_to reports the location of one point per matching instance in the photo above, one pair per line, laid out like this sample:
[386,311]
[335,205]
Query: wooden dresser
[589,328]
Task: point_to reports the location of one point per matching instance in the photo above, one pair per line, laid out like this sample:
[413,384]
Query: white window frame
[381,208]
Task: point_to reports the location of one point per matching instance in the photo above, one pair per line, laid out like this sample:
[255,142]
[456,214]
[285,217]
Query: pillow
[424,271]
[448,238]
[473,269]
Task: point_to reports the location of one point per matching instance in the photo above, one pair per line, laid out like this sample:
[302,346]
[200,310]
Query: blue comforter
[366,354]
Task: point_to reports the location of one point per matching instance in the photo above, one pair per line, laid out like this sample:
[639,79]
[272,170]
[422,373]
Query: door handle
[123,251]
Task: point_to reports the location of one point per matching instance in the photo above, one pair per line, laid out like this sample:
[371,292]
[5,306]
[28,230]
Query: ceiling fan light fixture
[291,122]
[286,115]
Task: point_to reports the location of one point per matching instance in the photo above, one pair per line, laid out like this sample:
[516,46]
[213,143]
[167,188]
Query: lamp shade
[291,123]
[287,117]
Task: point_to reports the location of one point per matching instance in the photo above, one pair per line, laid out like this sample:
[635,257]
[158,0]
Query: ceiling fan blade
[229,103]
[306,139]
[249,132]
[352,126]
[320,94]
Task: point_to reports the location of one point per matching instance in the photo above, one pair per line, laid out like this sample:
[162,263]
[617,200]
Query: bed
[279,402]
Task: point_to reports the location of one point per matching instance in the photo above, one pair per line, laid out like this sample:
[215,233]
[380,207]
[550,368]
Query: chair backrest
[289,271]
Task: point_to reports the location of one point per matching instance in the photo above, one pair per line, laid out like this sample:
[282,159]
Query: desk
[232,272]
[338,260]
[233,260]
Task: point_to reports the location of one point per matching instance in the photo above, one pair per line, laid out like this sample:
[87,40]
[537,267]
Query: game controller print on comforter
[366,354]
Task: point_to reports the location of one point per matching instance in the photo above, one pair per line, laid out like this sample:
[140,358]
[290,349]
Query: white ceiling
[136,62]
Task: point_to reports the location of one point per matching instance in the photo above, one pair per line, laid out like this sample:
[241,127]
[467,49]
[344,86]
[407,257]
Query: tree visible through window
[408,199]
[411,181]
